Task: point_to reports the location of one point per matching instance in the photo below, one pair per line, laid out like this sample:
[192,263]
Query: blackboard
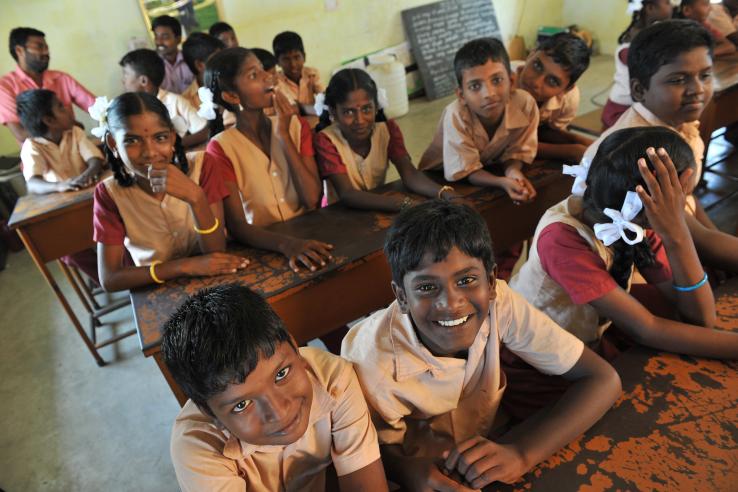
[437,30]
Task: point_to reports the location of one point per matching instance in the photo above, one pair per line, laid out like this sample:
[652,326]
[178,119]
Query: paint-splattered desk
[357,281]
[674,429]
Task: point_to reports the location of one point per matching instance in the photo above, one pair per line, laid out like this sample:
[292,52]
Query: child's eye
[553,82]
[538,66]
[282,373]
[425,288]
[675,81]
[241,406]
[129,141]
[475,87]
[497,80]
[706,75]
[466,280]
[348,112]
[161,138]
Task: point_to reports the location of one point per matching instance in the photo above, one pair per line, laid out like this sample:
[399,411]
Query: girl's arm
[194,139]
[715,247]
[87,178]
[303,169]
[417,181]
[364,199]
[310,253]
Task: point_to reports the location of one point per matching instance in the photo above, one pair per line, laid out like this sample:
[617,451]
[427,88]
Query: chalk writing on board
[437,30]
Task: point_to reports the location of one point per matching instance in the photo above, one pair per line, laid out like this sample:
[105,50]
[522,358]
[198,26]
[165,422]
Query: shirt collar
[514,115]
[46,76]
[691,128]
[177,61]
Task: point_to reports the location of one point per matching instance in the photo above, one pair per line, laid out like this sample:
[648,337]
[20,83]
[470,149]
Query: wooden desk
[589,123]
[722,111]
[673,429]
[357,282]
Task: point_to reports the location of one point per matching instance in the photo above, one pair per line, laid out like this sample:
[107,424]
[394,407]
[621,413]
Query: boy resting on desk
[429,364]
[263,415]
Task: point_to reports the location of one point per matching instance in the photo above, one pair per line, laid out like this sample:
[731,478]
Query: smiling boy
[167,37]
[489,127]
[263,415]
[429,363]
[549,75]
[299,82]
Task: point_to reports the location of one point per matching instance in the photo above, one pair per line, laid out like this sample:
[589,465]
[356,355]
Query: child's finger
[313,255]
[293,264]
[653,187]
[455,453]
[306,261]
[323,249]
[659,168]
[670,167]
[645,197]
[490,475]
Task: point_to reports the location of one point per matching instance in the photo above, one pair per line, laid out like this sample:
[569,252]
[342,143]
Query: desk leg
[178,393]
[60,295]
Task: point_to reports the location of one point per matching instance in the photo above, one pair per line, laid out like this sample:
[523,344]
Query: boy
[549,75]
[429,363]
[670,65]
[196,51]
[167,36]
[267,59]
[698,11]
[300,83]
[57,156]
[263,415]
[143,71]
[488,124]
[225,33]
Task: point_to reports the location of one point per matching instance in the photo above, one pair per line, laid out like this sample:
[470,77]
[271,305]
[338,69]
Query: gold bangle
[152,272]
[207,231]
[444,188]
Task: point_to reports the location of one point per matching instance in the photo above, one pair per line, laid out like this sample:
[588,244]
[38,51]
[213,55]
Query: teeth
[455,322]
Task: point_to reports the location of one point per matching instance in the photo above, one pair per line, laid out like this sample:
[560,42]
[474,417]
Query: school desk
[674,428]
[722,111]
[357,282]
[55,225]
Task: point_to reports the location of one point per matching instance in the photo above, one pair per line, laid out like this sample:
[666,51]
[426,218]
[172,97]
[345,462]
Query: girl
[266,163]
[355,142]
[645,13]
[699,11]
[152,206]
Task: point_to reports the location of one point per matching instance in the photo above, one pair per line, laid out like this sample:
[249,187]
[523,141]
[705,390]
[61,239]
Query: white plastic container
[389,74]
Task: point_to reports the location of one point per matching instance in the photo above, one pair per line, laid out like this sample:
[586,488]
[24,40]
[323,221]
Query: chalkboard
[437,30]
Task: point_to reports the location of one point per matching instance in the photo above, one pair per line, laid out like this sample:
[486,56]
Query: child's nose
[274,408]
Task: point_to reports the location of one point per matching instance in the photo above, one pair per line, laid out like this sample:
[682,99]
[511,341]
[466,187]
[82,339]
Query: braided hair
[221,71]
[614,172]
[341,85]
[125,106]
[638,21]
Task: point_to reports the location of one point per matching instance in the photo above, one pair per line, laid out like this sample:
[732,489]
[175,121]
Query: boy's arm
[39,186]
[194,139]
[87,178]
[418,473]
[561,144]
[368,479]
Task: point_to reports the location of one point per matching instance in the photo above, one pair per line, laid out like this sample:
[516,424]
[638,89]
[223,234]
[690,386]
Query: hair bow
[319,105]
[207,106]
[579,172]
[382,98]
[635,6]
[99,111]
[609,233]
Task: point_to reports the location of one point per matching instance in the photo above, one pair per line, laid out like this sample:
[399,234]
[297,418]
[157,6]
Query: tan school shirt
[208,457]
[55,163]
[462,145]
[558,111]
[182,113]
[428,403]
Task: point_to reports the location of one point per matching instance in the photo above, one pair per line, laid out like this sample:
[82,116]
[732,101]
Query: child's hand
[481,462]
[528,192]
[179,185]
[665,200]
[312,254]
[67,185]
[516,189]
[285,111]
[423,474]
[213,264]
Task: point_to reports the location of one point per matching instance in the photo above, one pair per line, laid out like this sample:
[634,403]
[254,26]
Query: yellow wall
[88,37]
[605,19]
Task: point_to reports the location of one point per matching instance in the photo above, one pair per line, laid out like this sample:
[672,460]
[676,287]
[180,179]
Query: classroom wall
[605,19]
[87,38]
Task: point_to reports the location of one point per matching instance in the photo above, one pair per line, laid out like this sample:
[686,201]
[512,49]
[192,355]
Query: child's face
[132,81]
[146,140]
[355,116]
[543,78]
[698,11]
[679,91]
[254,86]
[659,10]
[272,406]
[447,300]
[486,90]
[62,117]
[165,40]
[292,63]
[229,39]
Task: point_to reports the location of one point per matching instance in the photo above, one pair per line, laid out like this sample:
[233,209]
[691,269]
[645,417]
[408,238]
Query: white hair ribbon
[207,106]
[319,105]
[382,98]
[579,172]
[99,111]
[609,233]
[635,6]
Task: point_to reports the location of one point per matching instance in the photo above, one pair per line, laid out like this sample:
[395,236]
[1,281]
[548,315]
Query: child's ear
[48,120]
[637,91]
[459,93]
[401,297]
[200,66]
[231,98]
[493,283]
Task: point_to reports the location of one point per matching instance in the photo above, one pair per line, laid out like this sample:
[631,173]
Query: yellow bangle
[208,231]
[444,188]
[152,272]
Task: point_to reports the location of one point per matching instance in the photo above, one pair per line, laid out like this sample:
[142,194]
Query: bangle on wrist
[690,288]
[207,231]
[407,202]
[152,272]
[443,189]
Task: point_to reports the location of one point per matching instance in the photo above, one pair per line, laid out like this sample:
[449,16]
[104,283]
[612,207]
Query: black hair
[478,52]
[217,337]
[145,62]
[569,51]
[287,41]
[32,105]
[661,43]
[167,21]
[220,74]
[19,36]
[267,59]
[125,106]
[198,47]
[614,172]
[435,227]
[341,85]
[638,20]
[219,28]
